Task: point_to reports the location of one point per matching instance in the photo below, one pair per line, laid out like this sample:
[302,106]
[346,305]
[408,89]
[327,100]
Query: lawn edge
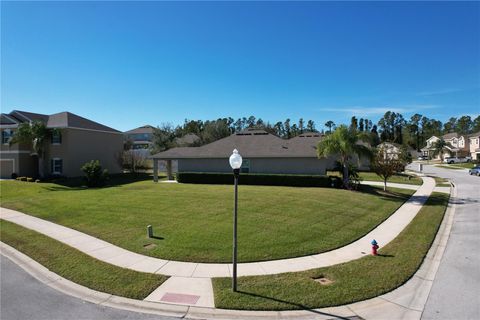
[374,306]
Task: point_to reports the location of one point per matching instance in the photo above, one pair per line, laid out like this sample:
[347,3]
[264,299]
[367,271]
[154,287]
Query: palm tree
[439,147]
[33,133]
[329,124]
[343,143]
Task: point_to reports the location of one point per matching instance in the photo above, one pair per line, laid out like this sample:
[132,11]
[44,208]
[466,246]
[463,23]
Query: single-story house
[76,141]
[262,152]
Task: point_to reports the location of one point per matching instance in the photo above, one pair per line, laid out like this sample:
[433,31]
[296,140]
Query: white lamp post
[235,162]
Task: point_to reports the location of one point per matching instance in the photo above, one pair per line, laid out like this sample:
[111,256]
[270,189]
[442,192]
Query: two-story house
[474,145]
[141,137]
[457,145]
[76,141]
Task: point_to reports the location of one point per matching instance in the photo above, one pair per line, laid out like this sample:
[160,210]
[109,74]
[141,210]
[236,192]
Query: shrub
[14,176]
[37,180]
[29,179]
[259,179]
[95,176]
[23,178]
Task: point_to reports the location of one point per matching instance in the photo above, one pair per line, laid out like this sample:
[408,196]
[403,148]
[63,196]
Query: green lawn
[353,281]
[467,165]
[398,178]
[441,182]
[194,222]
[77,266]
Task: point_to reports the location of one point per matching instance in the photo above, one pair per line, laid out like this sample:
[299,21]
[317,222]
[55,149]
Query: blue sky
[127,64]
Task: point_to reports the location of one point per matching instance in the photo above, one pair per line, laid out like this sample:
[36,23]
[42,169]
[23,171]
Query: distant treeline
[392,127]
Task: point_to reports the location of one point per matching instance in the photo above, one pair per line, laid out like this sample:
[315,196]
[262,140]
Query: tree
[301,126]
[386,164]
[354,123]
[450,125]
[163,137]
[464,125]
[311,126]
[251,122]
[34,133]
[361,126]
[344,144]
[329,124]
[439,147]
[288,132]
[476,124]
[132,160]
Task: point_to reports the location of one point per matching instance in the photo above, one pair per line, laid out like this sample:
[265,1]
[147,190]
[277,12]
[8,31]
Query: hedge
[259,179]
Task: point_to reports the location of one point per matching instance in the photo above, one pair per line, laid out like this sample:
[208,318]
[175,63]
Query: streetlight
[235,162]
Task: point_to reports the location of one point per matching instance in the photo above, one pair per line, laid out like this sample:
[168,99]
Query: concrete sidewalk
[190,283]
[405,302]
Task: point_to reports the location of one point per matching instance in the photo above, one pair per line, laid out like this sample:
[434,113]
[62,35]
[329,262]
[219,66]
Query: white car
[457,160]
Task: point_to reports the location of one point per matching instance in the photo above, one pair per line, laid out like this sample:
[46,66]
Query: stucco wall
[80,146]
[258,165]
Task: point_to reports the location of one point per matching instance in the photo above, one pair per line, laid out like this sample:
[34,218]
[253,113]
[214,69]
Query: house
[140,137]
[391,150]
[76,141]
[262,152]
[457,145]
[474,145]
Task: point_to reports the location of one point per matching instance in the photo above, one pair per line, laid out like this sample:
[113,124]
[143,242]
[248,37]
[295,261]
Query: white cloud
[380,110]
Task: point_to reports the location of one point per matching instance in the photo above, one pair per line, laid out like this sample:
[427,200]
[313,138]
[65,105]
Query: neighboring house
[262,152]
[140,137]
[391,150]
[188,140]
[78,140]
[457,145]
[474,145]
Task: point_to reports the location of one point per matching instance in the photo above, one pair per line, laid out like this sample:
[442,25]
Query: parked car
[423,158]
[457,160]
[475,171]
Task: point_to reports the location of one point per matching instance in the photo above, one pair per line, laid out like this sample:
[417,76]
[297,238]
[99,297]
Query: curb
[405,302]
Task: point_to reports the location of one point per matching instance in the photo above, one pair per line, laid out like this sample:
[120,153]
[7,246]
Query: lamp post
[235,162]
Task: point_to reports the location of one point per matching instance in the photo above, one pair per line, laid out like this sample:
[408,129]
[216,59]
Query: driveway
[25,298]
[455,292]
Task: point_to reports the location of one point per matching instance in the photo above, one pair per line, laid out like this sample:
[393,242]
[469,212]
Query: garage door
[6,168]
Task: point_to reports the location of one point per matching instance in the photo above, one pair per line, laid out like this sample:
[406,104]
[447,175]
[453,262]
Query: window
[56,137]
[6,136]
[56,166]
[245,168]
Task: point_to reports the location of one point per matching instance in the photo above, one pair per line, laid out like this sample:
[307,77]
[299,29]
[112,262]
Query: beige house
[78,140]
[457,145]
[262,152]
[474,145]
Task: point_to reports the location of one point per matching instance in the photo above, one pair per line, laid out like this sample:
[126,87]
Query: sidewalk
[180,271]
[406,302]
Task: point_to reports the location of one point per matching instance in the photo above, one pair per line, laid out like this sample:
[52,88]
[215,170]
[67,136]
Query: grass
[441,182]
[398,178]
[354,281]
[465,165]
[77,266]
[194,222]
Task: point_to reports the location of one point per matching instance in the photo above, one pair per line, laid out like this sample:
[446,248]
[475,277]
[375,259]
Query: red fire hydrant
[374,247]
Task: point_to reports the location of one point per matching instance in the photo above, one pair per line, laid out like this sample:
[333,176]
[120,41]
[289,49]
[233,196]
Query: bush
[22,178]
[95,176]
[37,180]
[29,179]
[14,176]
[259,179]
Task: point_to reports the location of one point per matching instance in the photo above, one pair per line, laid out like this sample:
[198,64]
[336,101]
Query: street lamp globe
[235,160]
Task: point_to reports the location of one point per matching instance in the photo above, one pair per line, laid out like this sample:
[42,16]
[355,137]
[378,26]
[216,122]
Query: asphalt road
[23,297]
[455,293]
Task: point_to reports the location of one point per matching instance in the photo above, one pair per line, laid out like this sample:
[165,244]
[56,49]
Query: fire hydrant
[374,247]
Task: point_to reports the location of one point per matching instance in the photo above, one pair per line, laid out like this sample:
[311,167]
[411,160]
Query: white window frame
[10,136]
[57,143]
[53,165]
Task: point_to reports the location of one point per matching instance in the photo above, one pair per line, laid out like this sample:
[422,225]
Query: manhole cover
[323,281]
[149,246]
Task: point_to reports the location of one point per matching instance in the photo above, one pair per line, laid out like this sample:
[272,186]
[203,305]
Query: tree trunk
[40,167]
[384,184]
[345,175]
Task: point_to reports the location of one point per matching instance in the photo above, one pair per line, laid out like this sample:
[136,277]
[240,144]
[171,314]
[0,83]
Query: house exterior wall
[80,146]
[474,147]
[16,159]
[259,165]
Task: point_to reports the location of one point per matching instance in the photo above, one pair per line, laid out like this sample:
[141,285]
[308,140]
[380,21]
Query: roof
[251,143]
[449,136]
[143,129]
[474,135]
[188,139]
[58,120]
